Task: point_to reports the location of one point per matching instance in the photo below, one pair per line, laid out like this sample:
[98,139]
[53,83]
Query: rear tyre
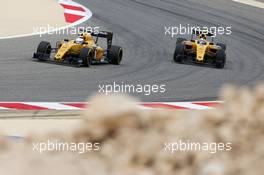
[115,55]
[179,53]
[220,59]
[43,51]
[86,57]
[222,45]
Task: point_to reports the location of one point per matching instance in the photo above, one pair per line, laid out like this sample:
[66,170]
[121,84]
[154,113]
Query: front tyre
[222,45]
[115,55]
[178,53]
[220,59]
[43,51]
[180,40]
[86,56]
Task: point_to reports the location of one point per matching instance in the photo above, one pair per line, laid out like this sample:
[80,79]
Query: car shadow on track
[67,64]
[207,66]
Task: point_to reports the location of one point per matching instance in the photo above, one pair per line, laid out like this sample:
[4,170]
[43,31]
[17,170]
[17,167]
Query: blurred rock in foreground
[132,140]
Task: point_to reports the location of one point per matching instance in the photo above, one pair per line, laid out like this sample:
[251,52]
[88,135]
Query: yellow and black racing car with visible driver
[200,50]
[83,51]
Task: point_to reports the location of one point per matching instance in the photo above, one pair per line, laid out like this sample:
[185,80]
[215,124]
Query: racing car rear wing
[199,31]
[102,34]
[202,31]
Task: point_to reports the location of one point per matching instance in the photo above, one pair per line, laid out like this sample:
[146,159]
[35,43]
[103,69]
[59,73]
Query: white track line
[75,12]
[53,106]
[70,106]
[251,3]
[190,105]
[68,2]
[2,108]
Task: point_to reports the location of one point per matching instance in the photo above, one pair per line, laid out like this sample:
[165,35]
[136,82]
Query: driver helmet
[79,40]
[88,37]
[202,36]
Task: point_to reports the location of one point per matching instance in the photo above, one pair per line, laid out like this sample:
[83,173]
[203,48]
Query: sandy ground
[26,127]
[21,17]
[23,123]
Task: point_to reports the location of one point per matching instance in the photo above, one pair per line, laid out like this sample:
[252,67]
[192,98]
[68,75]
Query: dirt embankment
[132,140]
[23,17]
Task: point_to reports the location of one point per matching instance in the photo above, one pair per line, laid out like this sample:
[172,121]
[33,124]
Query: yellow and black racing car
[83,51]
[200,51]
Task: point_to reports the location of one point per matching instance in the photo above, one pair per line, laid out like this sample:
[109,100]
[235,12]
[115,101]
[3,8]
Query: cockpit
[202,42]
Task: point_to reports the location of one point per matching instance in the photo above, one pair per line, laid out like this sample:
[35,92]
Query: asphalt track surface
[139,27]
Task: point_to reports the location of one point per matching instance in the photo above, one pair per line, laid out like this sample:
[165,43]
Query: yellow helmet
[87,36]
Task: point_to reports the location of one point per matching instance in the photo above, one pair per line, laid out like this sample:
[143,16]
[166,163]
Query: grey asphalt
[139,28]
